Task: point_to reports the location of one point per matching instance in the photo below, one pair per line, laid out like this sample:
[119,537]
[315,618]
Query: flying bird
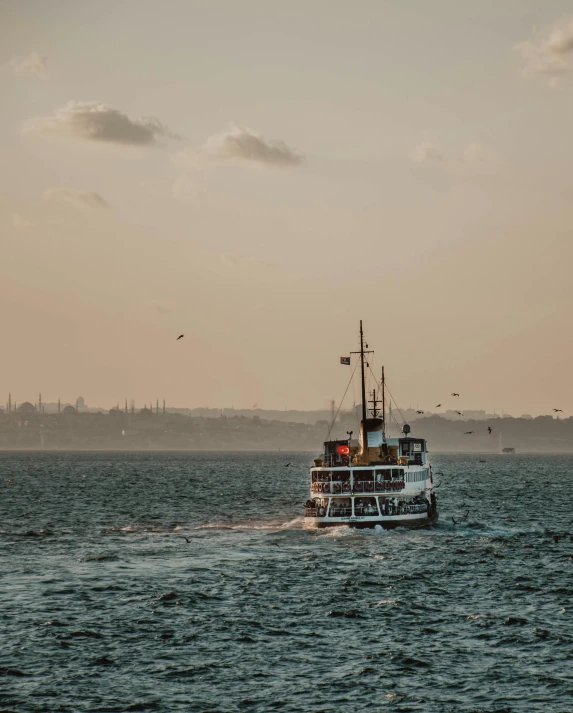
[469,432]
[454,394]
[179,337]
[438,406]
[464,517]
[459,413]
[419,412]
[287,465]
[186,539]
[557,410]
[489,429]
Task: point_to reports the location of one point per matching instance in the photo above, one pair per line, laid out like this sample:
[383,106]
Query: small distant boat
[506,449]
[375,480]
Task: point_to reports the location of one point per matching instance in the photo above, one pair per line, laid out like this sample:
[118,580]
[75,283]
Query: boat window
[341,475]
[383,474]
[340,507]
[365,506]
[364,475]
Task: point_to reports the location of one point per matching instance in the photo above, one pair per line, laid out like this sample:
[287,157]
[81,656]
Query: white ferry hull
[388,522]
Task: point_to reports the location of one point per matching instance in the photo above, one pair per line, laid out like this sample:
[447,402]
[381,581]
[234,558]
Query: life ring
[346,487]
[369,486]
[358,486]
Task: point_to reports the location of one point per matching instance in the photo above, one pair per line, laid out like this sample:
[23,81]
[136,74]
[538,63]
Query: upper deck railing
[339,482]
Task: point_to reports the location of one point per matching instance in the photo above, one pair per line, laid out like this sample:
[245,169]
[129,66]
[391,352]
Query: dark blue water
[104,605]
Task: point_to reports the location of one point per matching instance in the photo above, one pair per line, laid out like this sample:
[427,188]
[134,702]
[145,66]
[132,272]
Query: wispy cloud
[474,159]
[549,53]
[34,65]
[426,151]
[79,199]
[21,222]
[246,145]
[92,121]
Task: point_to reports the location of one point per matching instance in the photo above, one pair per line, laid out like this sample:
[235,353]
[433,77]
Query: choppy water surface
[185,582]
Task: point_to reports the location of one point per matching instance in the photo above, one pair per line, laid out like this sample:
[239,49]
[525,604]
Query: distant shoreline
[484,454]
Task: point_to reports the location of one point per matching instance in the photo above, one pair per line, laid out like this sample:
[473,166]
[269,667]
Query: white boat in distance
[375,480]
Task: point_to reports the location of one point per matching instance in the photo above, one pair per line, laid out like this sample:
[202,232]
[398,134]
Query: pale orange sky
[308,164]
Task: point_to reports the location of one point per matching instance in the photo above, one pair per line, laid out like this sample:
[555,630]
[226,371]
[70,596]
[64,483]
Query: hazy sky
[261,175]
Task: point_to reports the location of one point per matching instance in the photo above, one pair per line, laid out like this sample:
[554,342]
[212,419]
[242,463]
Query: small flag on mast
[345,360]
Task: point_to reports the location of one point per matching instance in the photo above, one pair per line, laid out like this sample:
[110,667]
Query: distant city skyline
[130,405]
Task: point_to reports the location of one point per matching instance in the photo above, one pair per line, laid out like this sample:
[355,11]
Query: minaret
[126,405]
[40,402]
[157,407]
[163,406]
[132,406]
[10,403]
[59,405]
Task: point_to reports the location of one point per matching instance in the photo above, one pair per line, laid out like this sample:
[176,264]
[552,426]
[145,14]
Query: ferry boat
[374,480]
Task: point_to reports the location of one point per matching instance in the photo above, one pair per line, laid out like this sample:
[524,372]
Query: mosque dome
[69,409]
[26,407]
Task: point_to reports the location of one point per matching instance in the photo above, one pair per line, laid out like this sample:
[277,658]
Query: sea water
[186,582]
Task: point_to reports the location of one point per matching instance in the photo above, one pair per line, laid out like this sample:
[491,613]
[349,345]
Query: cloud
[245,145]
[474,159]
[550,55]
[477,154]
[426,152]
[34,65]
[78,199]
[92,121]
[21,222]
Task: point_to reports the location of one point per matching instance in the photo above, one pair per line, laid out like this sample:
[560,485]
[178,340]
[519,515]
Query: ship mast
[362,372]
[363,353]
[383,398]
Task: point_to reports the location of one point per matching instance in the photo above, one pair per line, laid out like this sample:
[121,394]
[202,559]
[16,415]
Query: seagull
[464,517]
[489,429]
[438,406]
[419,412]
[186,539]
[179,337]
[287,465]
[459,413]
[557,410]
[454,394]
[468,433]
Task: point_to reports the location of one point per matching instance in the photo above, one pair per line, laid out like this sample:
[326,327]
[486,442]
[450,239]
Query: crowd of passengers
[343,476]
[342,507]
[363,481]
